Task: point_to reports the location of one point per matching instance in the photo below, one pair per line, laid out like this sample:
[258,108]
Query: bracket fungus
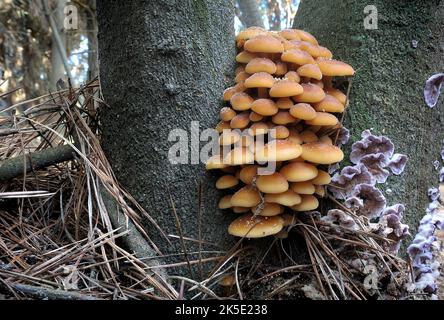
[282,113]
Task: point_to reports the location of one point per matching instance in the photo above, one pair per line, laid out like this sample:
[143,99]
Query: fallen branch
[17,166]
[48,293]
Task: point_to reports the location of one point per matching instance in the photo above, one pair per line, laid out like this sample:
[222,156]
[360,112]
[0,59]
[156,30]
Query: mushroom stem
[327,81]
[262,93]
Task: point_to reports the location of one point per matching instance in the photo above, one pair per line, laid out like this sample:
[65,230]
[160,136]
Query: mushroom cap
[283,117]
[240,87]
[285,88]
[215,162]
[318,83]
[251,226]
[311,48]
[284,103]
[337,94]
[245,57]
[324,52]
[250,33]
[323,119]
[240,121]
[320,191]
[310,71]
[228,280]
[241,101]
[241,77]
[329,104]
[299,171]
[239,69]
[229,137]
[228,93]
[281,68]
[322,178]
[239,156]
[225,202]
[226,182]
[305,36]
[247,197]
[272,183]
[322,153]
[290,34]
[288,198]
[226,114]
[222,125]
[308,203]
[248,174]
[292,76]
[312,94]
[280,132]
[295,137]
[326,139]
[240,209]
[303,111]
[268,209]
[278,150]
[264,107]
[264,44]
[308,136]
[303,187]
[261,65]
[255,117]
[258,128]
[335,68]
[297,56]
[260,80]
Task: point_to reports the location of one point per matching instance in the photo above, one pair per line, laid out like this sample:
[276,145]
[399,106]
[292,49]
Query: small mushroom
[264,44]
[248,196]
[261,65]
[308,203]
[264,107]
[303,111]
[285,88]
[254,226]
[321,153]
[312,94]
[226,182]
[334,68]
[299,171]
[278,150]
[273,183]
[288,198]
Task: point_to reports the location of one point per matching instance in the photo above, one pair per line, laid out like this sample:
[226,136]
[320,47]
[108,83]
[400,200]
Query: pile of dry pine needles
[59,240]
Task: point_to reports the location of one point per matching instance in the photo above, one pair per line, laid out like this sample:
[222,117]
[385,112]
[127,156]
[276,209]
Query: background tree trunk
[57,67]
[387,92]
[250,15]
[164,64]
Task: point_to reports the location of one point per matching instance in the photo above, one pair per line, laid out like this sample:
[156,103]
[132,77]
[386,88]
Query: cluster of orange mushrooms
[283,92]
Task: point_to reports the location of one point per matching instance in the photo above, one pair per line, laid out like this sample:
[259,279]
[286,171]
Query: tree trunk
[387,91]
[250,15]
[58,58]
[164,64]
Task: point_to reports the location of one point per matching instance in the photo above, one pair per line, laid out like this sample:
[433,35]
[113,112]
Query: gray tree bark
[164,64]
[387,91]
[250,15]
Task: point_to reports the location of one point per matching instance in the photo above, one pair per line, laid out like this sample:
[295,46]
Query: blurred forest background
[36,50]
